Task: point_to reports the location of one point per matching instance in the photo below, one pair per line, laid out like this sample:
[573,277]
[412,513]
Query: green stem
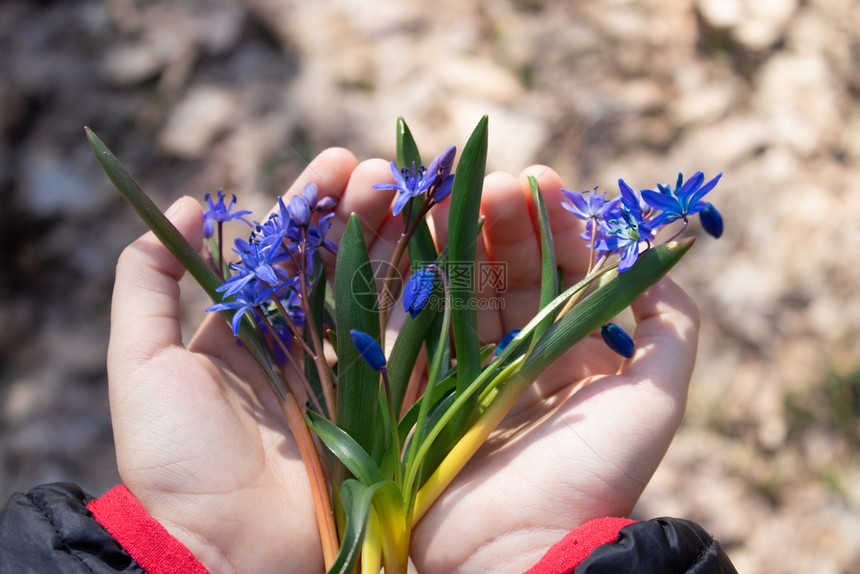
[319,356]
[395,433]
[393,265]
[412,465]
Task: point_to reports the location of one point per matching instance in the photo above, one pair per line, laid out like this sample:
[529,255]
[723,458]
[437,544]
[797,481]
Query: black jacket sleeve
[49,529]
[664,545]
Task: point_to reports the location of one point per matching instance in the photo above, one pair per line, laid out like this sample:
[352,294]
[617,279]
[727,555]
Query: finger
[666,338]
[513,248]
[330,171]
[145,309]
[571,254]
[650,395]
[370,205]
[380,229]
[489,302]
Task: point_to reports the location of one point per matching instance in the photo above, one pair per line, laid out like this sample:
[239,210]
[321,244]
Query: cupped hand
[587,437]
[200,439]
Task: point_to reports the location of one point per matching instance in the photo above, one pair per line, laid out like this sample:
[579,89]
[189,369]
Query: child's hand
[559,459]
[200,439]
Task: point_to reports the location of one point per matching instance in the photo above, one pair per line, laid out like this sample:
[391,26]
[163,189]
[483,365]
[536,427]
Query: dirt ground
[200,95]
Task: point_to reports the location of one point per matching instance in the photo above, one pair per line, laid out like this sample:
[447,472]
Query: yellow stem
[467,446]
[371,557]
[319,487]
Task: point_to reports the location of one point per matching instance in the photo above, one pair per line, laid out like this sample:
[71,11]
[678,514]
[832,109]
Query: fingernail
[173,209]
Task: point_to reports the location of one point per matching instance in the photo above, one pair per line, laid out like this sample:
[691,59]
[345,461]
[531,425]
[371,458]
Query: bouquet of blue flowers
[375,461]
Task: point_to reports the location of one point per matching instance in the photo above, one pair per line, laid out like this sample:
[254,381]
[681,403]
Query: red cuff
[148,542]
[578,544]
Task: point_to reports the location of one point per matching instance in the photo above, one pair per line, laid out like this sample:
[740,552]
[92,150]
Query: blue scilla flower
[369,349]
[407,182]
[417,292]
[438,180]
[617,339]
[311,193]
[589,206]
[316,239]
[682,201]
[300,210]
[624,228]
[249,296]
[220,212]
[275,226]
[258,263]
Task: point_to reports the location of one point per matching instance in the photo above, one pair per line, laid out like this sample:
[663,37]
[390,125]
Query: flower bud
[326,204]
[617,339]
[300,211]
[712,220]
[417,292]
[369,349]
[311,194]
[506,340]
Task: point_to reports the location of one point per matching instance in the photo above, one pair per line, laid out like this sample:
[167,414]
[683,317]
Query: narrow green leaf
[462,249]
[317,304]
[357,499]
[549,276]
[407,149]
[604,304]
[344,447]
[356,307]
[405,353]
[388,503]
[165,231]
[170,237]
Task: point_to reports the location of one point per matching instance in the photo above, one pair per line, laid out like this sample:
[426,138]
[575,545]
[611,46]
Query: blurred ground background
[202,94]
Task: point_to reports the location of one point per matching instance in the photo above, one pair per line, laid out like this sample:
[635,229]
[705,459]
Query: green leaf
[163,229]
[344,447]
[604,304]
[407,149]
[170,237]
[462,250]
[357,499]
[422,249]
[356,307]
[423,328]
[395,533]
[549,286]
[405,353]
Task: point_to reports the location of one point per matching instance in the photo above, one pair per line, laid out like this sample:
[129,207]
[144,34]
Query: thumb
[145,316]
